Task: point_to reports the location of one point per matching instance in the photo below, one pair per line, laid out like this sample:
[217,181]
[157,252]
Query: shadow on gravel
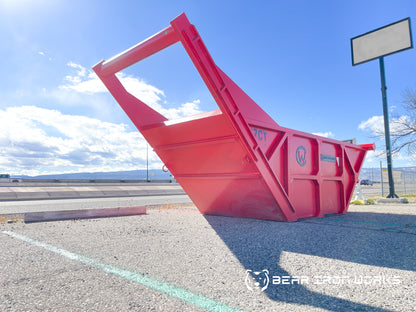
[365,238]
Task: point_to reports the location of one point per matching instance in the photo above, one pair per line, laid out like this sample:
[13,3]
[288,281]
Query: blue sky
[292,57]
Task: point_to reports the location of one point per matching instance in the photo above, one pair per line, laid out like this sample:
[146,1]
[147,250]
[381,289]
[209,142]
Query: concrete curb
[392,201]
[61,215]
[44,216]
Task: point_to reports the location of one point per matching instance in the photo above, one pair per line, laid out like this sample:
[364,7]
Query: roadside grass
[372,200]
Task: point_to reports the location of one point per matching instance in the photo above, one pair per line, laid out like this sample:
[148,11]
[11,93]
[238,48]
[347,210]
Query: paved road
[33,191]
[180,260]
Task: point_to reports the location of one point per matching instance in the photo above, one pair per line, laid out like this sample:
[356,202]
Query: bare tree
[403,128]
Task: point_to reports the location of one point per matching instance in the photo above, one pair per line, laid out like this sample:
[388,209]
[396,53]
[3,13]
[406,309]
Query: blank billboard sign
[383,41]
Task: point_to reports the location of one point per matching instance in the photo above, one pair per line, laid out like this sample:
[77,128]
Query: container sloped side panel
[209,161]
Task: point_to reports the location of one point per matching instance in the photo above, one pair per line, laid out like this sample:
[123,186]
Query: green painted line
[171,290]
[369,222]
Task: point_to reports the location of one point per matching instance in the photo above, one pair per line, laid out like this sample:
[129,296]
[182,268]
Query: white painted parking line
[171,290]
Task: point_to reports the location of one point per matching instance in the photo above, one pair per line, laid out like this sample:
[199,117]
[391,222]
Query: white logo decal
[257,280]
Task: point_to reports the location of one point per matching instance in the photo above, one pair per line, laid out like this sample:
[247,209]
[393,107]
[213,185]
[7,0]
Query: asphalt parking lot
[180,260]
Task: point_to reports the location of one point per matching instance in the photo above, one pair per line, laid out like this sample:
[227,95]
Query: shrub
[358,202]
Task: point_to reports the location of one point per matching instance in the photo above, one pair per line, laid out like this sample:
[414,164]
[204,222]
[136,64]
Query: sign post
[375,44]
[392,193]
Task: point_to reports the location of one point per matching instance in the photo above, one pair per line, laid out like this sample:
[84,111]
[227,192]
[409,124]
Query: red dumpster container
[237,161]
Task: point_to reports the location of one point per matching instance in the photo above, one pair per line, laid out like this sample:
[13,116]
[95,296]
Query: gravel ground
[362,261]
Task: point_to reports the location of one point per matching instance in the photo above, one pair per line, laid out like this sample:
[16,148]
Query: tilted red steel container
[237,161]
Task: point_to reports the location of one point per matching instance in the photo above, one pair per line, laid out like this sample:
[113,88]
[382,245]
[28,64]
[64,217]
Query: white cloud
[374,156]
[85,81]
[38,141]
[374,124]
[328,134]
[44,54]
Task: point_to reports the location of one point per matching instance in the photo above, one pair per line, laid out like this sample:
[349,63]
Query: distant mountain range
[154,174]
